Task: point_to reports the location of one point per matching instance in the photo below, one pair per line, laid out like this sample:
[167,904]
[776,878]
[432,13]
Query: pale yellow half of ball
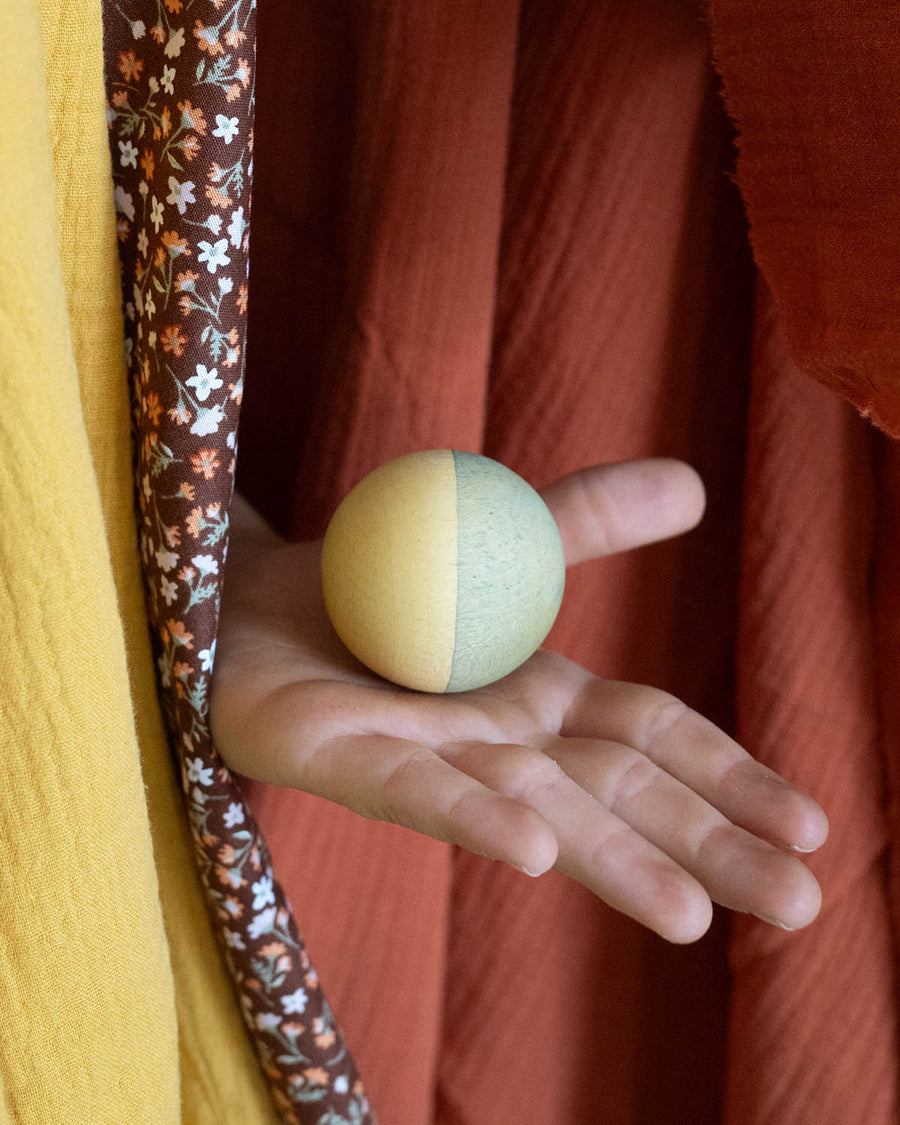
[389,565]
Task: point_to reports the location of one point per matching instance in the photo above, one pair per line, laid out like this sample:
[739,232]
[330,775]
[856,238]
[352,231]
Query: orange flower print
[186,305]
[174,6]
[228,878]
[158,32]
[273,949]
[206,461]
[179,415]
[241,300]
[235,37]
[180,675]
[186,490]
[148,163]
[176,245]
[177,631]
[192,523]
[208,39]
[172,339]
[130,66]
[316,1076]
[190,146]
[217,198]
[192,117]
[186,281]
[120,98]
[165,124]
[159,257]
[153,408]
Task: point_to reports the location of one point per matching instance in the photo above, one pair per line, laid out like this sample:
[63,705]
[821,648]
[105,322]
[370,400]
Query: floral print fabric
[179,77]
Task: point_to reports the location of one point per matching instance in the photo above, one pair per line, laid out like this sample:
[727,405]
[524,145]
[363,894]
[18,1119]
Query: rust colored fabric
[514,229]
[813,90]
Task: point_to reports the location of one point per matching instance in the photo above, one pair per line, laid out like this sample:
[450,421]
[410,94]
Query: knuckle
[664,714]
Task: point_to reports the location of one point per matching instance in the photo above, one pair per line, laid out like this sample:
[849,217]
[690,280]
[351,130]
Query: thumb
[609,508]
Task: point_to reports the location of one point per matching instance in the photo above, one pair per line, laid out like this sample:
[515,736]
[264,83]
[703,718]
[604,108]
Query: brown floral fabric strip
[179,77]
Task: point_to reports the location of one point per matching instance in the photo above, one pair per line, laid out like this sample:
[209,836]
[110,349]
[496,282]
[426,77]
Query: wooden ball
[442,571]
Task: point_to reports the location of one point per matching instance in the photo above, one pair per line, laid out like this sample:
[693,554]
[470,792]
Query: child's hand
[620,787]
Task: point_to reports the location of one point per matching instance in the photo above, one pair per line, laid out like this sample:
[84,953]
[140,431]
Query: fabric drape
[521,236]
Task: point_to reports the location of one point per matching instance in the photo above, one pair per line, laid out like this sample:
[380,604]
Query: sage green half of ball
[442,571]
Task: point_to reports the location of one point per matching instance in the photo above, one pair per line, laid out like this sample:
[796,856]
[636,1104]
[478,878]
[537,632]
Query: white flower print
[166,560]
[176,42]
[169,590]
[341,1084]
[234,816]
[156,213]
[138,29]
[262,923]
[227,127]
[208,656]
[196,771]
[214,256]
[124,202]
[214,222]
[236,227]
[142,243]
[129,154]
[262,892]
[233,940]
[295,1002]
[153,84]
[180,194]
[206,564]
[167,81]
[225,284]
[267,1021]
[208,420]
[205,382]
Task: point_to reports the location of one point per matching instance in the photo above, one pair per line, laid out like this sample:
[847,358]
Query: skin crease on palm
[619,787]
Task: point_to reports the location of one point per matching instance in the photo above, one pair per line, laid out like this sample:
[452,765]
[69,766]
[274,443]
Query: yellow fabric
[114,1006]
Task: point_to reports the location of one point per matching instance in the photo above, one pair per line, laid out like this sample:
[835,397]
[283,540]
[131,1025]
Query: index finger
[697,753]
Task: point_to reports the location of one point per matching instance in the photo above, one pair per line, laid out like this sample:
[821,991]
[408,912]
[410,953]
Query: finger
[610,508]
[596,848]
[737,869]
[702,757]
[394,779]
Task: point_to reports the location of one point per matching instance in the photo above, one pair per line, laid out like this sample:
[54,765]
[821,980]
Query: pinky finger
[395,780]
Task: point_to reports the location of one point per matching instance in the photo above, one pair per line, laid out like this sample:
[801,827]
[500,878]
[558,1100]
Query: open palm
[618,786]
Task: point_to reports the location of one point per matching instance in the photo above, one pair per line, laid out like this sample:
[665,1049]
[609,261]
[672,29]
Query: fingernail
[530,874]
[804,851]
[775,922]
